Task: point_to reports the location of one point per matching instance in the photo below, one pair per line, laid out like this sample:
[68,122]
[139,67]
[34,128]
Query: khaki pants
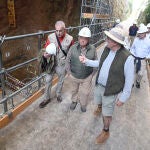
[131,40]
[107,102]
[81,88]
[60,71]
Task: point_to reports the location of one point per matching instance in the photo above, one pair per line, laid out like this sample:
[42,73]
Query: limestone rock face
[120,8]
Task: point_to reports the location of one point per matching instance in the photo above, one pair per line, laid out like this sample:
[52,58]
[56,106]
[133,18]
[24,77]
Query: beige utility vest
[65,46]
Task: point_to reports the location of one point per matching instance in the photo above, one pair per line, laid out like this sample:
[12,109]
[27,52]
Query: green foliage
[144,16]
[147,14]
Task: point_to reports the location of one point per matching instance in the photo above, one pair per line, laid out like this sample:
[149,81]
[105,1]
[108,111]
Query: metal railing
[26,53]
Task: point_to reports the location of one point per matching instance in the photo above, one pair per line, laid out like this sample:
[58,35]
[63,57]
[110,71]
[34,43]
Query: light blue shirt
[141,47]
[128,73]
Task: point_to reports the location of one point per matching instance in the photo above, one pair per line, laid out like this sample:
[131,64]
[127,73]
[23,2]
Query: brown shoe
[59,98]
[98,110]
[44,103]
[102,137]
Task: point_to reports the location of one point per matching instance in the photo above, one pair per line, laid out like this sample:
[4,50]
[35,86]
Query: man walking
[115,75]
[132,32]
[62,41]
[140,50]
[80,74]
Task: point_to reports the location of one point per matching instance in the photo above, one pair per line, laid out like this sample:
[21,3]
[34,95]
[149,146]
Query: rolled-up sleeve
[129,79]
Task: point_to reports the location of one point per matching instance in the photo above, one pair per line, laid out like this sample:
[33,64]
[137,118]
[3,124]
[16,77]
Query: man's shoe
[83,108]
[137,84]
[59,98]
[73,105]
[102,137]
[98,111]
[44,103]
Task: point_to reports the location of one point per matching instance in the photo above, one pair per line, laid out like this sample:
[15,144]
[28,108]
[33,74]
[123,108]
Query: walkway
[55,127]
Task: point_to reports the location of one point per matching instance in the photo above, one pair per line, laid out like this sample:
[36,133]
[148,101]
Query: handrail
[30,88]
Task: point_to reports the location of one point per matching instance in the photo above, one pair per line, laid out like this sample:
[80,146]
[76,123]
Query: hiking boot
[83,108]
[44,103]
[73,105]
[137,84]
[98,111]
[59,98]
[102,137]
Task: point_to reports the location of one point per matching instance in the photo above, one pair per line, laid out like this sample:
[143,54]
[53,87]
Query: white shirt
[141,47]
[148,35]
[128,72]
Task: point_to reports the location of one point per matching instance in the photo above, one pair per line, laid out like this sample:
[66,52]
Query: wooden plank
[97,16]
[17,110]
[11,13]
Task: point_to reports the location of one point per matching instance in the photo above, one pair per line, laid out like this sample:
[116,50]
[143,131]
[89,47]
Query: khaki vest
[79,70]
[65,46]
[116,79]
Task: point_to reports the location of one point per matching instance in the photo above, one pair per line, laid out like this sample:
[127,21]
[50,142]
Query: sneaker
[102,137]
[98,110]
[59,98]
[73,105]
[83,108]
[44,103]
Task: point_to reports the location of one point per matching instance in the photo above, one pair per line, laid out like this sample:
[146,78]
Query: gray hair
[60,23]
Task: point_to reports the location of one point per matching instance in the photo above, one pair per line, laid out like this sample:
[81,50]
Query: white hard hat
[148,25]
[142,29]
[117,20]
[134,22]
[85,32]
[51,49]
[142,24]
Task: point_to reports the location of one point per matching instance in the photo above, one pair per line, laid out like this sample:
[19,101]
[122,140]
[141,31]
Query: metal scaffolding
[95,11]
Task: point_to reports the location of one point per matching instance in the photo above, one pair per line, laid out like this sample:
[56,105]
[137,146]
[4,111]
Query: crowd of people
[116,68]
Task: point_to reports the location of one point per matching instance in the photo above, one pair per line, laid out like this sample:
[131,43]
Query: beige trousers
[81,89]
[131,40]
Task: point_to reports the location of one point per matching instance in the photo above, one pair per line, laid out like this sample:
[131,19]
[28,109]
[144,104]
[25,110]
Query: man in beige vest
[62,41]
[115,75]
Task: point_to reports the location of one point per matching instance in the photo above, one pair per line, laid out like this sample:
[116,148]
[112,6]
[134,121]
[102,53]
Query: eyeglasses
[59,31]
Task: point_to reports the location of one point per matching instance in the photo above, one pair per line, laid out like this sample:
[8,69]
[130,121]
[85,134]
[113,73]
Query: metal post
[2,79]
[39,48]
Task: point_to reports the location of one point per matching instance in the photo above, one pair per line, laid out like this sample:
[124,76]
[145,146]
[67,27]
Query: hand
[119,103]
[82,58]
[46,55]
[68,74]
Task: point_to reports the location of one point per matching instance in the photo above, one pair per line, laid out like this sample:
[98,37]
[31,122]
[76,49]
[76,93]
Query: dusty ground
[55,127]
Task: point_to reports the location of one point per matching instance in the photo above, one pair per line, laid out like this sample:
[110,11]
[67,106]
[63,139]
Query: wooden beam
[11,13]
[97,16]
[5,120]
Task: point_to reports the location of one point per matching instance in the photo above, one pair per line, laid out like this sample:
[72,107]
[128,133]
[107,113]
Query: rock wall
[120,9]
[32,16]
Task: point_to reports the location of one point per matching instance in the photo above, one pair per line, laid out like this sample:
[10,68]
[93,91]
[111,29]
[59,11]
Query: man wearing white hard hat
[148,32]
[132,32]
[114,78]
[79,74]
[62,42]
[140,50]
